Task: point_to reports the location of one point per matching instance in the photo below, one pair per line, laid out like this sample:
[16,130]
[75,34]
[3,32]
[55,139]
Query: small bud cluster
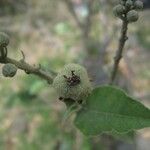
[9,70]
[127,10]
[4,41]
[72,83]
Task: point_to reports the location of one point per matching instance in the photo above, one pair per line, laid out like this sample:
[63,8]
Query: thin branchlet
[29,69]
[127,12]
[119,52]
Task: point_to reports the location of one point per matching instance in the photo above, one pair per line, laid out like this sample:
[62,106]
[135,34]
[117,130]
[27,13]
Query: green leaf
[109,109]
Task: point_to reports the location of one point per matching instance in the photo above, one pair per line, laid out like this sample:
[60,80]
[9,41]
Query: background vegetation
[31,116]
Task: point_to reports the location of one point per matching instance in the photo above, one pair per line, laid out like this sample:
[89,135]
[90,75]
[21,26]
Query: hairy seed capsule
[9,70]
[138,5]
[129,3]
[132,16]
[4,39]
[72,82]
[118,10]
[122,2]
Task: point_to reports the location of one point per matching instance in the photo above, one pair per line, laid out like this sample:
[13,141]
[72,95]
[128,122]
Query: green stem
[119,52]
[29,69]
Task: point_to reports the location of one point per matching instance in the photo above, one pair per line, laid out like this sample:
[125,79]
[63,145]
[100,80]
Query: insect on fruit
[73,80]
[72,83]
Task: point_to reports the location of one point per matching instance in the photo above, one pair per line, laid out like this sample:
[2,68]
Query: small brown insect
[61,98]
[73,80]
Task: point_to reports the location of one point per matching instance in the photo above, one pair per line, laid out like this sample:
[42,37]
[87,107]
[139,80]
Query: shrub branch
[118,56]
[38,71]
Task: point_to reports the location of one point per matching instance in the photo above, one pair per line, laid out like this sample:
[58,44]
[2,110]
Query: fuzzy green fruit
[72,82]
[4,39]
[129,3]
[138,5]
[118,10]
[9,70]
[132,16]
[122,2]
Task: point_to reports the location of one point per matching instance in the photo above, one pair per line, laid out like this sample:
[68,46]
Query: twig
[119,52]
[88,21]
[29,69]
[23,55]
[73,13]
[86,25]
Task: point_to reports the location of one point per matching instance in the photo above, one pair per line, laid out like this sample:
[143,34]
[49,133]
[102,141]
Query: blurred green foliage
[30,113]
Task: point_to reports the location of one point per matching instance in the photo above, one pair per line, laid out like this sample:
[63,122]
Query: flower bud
[132,16]
[72,83]
[4,39]
[122,2]
[9,70]
[118,10]
[138,5]
[129,3]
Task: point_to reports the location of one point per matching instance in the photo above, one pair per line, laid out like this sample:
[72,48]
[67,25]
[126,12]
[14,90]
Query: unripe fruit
[9,70]
[4,39]
[129,3]
[138,5]
[122,2]
[72,83]
[132,16]
[118,10]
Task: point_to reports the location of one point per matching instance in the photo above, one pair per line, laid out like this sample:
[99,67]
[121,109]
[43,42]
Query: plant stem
[73,13]
[29,69]
[119,52]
